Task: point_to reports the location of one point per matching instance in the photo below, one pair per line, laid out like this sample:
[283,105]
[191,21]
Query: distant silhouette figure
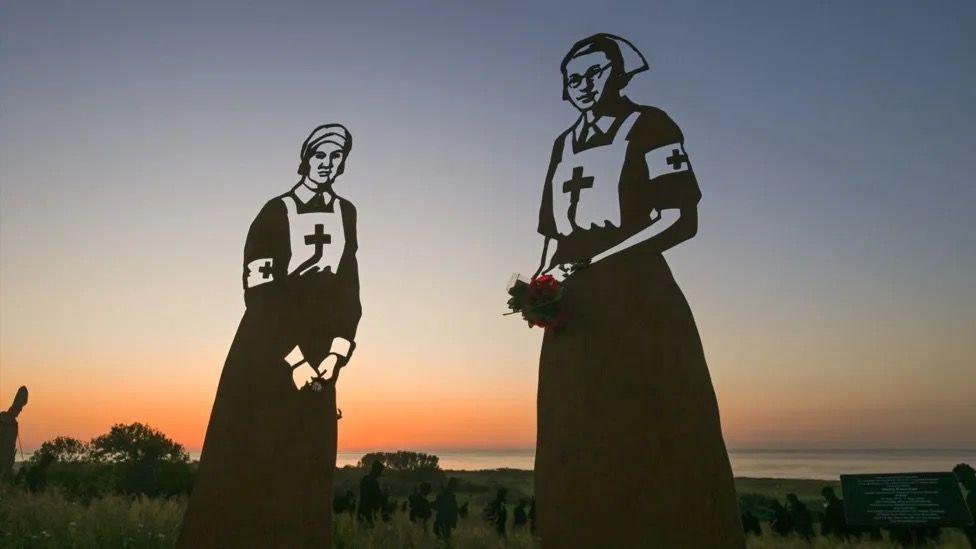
[625,402]
[800,517]
[497,513]
[967,477]
[420,506]
[8,433]
[446,506]
[520,517]
[782,522]
[387,507]
[371,496]
[463,510]
[532,515]
[750,523]
[834,523]
[35,474]
[345,503]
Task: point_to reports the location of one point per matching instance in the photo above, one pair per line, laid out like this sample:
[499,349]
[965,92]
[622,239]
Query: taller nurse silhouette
[627,416]
[266,470]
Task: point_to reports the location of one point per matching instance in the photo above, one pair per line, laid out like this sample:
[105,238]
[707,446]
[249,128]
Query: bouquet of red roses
[538,301]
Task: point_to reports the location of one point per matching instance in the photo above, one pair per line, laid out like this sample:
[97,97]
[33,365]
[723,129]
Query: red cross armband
[667,159]
[258,272]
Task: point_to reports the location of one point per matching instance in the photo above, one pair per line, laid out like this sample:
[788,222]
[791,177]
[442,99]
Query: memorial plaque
[904,499]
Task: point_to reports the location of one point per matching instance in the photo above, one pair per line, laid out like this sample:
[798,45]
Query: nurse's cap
[633,60]
[327,133]
[336,134]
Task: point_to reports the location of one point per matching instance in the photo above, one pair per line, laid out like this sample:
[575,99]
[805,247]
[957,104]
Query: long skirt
[630,450]
[267,466]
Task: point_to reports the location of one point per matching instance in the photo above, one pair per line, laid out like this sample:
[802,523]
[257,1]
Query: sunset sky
[833,278]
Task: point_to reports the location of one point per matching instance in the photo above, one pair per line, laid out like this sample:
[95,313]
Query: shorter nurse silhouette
[268,461]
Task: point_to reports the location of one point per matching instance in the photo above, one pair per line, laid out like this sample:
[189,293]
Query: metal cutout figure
[266,470]
[629,450]
[9,429]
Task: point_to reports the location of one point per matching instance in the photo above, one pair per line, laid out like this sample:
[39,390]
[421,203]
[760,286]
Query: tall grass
[50,520]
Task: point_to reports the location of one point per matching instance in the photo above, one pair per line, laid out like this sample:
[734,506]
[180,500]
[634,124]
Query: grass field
[49,519]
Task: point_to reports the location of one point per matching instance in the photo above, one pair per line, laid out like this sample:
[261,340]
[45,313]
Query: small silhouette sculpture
[420,506]
[388,506]
[497,513]
[372,498]
[446,506]
[345,503]
[800,517]
[750,523]
[967,477]
[266,470]
[36,471]
[782,522]
[519,515]
[8,433]
[834,523]
[625,403]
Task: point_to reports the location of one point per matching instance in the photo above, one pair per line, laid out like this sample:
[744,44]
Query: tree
[402,461]
[145,459]
[62,449]
[136,442]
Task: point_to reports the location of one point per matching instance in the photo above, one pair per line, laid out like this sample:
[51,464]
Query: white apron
[586,184]
[317,238]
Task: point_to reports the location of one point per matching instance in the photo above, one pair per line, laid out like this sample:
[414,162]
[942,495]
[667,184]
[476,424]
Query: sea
[765,463]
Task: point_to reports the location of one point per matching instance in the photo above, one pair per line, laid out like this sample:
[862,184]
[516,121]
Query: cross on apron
[317,238]
[574,186]
[586,184]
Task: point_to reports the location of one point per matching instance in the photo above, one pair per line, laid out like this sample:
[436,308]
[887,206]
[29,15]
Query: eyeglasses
[575,80]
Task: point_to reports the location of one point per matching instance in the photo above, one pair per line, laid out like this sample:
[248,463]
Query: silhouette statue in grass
[625,401]
[9,429]
[266,469]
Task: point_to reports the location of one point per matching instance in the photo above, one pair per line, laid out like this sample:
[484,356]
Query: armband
[258,272]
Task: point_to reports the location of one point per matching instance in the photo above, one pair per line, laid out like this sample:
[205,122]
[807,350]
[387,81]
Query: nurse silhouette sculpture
[626,411]
[268,460]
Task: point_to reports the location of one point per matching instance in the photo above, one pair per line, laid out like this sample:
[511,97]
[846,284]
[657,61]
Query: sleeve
[666,178]
[348,309]
[547,223]
[266,253]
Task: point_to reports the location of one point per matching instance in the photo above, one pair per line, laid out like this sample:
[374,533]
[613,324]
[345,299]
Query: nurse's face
[323,166]
[586,79]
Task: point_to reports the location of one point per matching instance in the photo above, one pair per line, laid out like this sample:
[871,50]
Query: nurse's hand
[328,365]
[303,375]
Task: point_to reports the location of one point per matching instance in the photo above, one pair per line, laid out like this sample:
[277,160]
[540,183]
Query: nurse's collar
[304,192]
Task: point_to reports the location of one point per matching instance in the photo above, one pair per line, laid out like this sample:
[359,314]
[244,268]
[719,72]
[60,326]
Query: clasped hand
[305,373]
